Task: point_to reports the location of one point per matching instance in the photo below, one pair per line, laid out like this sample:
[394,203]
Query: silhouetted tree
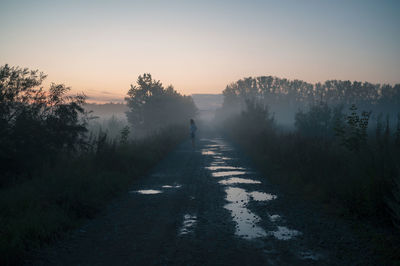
[151,106]
[35,125]
[353,134]
[285,96]
[317,121]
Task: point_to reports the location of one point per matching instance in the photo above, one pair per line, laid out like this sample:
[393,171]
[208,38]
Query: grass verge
[351,185]
[37,211]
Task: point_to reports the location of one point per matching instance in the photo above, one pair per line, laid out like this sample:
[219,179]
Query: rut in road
[204,207]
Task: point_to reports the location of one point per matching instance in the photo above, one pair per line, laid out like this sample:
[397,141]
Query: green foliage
[285,97]
[37,211]
[318,121]
[35,124]
[151,106]
[258,116]
[255,119]
[397,134]
[379,127]
[393,201]
[272,90]
[353,133]
[321,168]
[330,158]
[112,126]
[124,135]
[51,174]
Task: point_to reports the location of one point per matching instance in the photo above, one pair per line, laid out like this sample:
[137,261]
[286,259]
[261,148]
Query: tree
[353,133]
[318,121]
[285,96]
[151,106]
[35,124]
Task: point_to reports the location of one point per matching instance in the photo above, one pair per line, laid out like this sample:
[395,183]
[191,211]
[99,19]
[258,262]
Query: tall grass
[34,212]
[112,125]
[358,181]
[361,184]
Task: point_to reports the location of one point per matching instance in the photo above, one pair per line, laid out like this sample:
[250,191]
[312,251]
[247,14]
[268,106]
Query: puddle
[274,218]
[222,147]
[146,191]
[237,180]
[189,222]
[212,145]
[168,186]
[214,168]
[217,163]
[234,194]
[262,196]
[224,158]
[228,173]
[309,255]
[246,221]
[208,152]
[284,233]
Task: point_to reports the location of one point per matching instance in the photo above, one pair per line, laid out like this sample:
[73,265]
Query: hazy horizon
[101,47]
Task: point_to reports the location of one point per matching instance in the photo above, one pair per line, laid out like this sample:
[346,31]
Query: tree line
[343,148]
[38,125]
[285,97]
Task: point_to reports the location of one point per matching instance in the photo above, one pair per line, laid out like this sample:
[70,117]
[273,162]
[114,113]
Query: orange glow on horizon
[101,48]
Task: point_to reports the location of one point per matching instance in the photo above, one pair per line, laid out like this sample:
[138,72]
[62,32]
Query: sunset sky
[100,47]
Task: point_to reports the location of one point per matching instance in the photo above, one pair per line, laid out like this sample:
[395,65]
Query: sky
[101,47]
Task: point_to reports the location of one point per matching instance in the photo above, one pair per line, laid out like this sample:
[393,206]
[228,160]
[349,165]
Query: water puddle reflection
[189,222]
[212,145]
[246,221]
[262,196]
[214,168]
[224,158]
[237,180]
[217,163]
[228,173]
[174,186]
[284,233]
[146,191]
[208,152]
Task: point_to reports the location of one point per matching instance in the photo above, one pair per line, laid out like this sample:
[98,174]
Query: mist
[287,99]
[199,132]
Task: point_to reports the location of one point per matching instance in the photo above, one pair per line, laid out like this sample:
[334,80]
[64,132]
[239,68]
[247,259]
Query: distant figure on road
[193,129]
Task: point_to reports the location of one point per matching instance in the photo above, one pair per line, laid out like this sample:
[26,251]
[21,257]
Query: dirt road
[208,207]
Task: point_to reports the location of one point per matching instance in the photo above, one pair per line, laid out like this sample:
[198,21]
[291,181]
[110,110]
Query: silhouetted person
[193,129]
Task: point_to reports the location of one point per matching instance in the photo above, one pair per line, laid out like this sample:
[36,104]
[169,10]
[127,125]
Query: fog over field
[207,132]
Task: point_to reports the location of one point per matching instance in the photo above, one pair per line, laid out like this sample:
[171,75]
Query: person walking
[193,130]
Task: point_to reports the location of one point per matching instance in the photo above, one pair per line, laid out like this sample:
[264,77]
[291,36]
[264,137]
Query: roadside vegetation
[336,153]
[55,170]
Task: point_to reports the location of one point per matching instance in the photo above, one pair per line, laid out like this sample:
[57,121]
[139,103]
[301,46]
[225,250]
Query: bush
[319,120]
[52,175]
[151,106]
[322,168]
[35,212]
[36,125]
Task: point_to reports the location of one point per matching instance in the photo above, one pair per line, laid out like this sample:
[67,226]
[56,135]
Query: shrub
[36,125]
